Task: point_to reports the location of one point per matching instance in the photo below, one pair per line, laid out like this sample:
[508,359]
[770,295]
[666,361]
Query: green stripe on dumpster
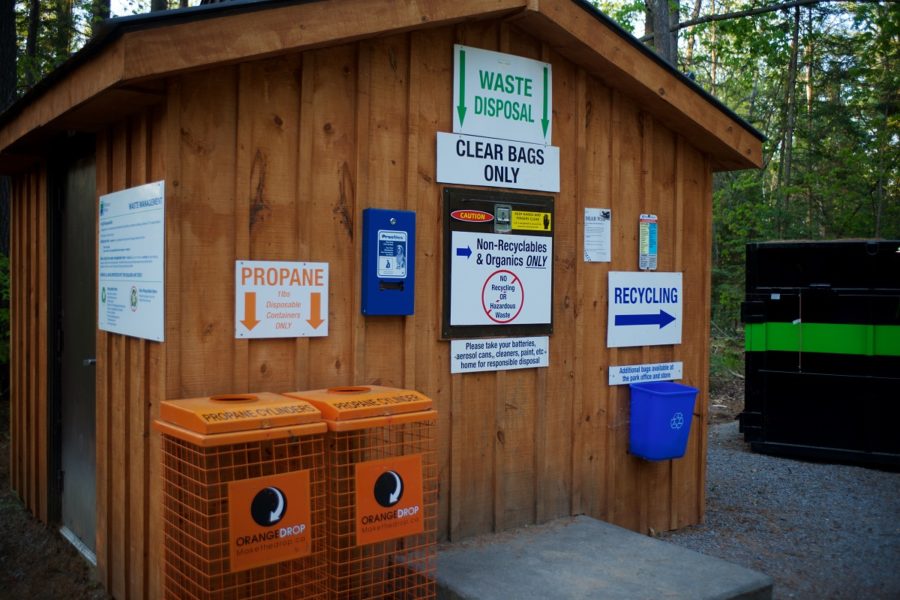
[830,338]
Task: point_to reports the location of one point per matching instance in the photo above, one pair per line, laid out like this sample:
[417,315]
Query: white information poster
[499,279]
[131,280]
[499,354]
[392,253]
[501,95]
[624,374]
[276,299]
[597,234]
[471,160]
[644,309]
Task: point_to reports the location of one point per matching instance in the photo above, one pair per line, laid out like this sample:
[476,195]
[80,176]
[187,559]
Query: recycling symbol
[677,421]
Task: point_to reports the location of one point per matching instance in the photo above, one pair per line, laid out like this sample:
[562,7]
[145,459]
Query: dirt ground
[37,563]
[726,398]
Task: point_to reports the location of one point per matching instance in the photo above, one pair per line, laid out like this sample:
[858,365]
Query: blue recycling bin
[661,414]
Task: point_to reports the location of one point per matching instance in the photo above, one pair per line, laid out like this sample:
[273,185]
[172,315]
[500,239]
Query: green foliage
[726,356]
[832,154]
[626,14]
[64,27]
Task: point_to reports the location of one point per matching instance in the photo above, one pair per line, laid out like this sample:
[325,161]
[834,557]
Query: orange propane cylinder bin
[381,491]
[244,497]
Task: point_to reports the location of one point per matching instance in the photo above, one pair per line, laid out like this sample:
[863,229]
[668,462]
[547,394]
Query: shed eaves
[524,13]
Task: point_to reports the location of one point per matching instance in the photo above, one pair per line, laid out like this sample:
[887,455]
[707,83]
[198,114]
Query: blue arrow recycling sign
[645,309]
[662,318]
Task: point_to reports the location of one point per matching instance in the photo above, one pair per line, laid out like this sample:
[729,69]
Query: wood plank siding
[275,159]
[131,378]
[29,297]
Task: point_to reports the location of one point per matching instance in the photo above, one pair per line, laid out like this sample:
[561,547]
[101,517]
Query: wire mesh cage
[244,513]
[401,567]
[381,500]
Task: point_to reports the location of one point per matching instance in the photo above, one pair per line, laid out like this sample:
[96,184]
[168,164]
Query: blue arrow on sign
[662,319]
[467,252]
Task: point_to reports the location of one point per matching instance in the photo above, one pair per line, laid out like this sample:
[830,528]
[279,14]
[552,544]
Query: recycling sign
[645,309]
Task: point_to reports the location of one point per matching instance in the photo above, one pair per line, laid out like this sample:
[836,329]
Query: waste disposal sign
[503,96]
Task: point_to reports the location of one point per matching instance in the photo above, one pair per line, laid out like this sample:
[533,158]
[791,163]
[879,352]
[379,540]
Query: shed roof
[123,68]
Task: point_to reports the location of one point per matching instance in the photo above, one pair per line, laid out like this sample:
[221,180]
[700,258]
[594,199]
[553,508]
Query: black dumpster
[822,323]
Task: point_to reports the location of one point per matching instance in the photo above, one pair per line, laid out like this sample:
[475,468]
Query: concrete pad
[582,557]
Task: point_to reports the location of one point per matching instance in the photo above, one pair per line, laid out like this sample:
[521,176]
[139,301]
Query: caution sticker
[268,520]
[531,221]
[389,499]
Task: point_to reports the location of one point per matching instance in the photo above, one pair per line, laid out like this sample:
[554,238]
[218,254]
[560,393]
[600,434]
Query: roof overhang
[123,69]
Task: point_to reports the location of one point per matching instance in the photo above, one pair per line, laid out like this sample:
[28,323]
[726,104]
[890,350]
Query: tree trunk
[34,21]
[790,102]
[714,55]
[662,23]
[156,5]
[7,97]
[99,13]
[791,98]
[689,52]
[7,53]
[809,111]
[62,38]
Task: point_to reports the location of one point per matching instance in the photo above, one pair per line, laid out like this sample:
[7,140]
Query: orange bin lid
[237,412]
[360,402]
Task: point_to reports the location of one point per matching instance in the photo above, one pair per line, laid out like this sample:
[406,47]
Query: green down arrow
[461,107]
[545,122]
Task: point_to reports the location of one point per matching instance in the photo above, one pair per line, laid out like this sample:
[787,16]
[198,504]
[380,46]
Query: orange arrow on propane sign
[249,320]
[315,310]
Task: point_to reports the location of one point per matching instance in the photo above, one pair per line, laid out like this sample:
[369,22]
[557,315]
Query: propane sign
[280,299]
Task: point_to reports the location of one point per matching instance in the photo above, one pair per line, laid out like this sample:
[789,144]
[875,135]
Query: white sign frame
[645,308]
[501,279]
[502,95]
[625,374]
[597,234]
[131,262]
[499,354]
[473,160]
[289,299]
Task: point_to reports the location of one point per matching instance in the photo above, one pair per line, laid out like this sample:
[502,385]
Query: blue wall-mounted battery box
[388,262]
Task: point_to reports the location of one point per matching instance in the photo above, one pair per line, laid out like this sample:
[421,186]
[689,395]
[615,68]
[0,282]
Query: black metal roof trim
[112,29]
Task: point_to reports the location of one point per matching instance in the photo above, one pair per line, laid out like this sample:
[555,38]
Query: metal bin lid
[361,402]
[237,412]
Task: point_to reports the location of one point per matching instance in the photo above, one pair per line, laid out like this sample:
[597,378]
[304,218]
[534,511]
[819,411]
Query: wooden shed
[273,125]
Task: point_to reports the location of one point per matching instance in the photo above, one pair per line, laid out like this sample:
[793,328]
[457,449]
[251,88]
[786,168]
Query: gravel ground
[819,530]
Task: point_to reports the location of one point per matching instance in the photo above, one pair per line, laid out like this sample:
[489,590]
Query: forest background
[819,78]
